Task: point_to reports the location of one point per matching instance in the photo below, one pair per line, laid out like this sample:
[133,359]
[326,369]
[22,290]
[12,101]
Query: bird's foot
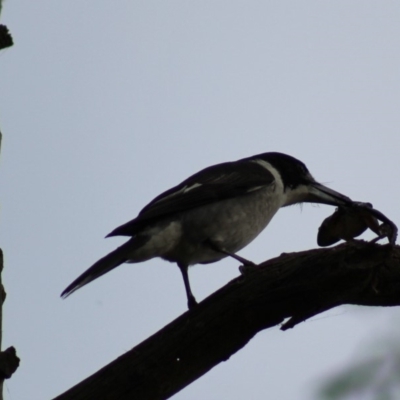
[192,303]
[244,261]
[247,268]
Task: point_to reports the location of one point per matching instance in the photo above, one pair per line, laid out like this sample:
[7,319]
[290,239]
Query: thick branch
[295,286]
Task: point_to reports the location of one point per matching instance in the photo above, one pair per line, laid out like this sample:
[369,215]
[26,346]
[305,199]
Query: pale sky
[104,105]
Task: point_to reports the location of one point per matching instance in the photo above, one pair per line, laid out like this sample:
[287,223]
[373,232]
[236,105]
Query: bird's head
[299,184]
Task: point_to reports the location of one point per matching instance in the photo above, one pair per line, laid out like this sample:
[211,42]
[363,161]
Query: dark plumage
[213,214]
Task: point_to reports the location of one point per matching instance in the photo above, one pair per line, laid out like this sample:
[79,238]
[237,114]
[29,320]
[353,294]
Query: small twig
[9,363]
[6,39]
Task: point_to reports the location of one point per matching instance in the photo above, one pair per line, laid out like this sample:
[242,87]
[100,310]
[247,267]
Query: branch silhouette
[285,290]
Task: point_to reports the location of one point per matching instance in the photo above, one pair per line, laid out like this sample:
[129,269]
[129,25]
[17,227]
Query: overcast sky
[104,105]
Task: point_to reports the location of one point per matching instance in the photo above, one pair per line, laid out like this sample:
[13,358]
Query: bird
[212,215]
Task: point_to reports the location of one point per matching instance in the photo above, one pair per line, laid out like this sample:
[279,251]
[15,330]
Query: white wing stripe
[184,190]
[195,185]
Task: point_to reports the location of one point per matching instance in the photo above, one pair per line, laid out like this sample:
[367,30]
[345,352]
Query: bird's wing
[212,184]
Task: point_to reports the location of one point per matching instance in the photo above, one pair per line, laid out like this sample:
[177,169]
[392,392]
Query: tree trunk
[9,361]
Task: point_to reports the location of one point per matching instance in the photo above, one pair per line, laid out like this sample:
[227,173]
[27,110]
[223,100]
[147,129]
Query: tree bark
[9,361]
[292,287]
[8,358]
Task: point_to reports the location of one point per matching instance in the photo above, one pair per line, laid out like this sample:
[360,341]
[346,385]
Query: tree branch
[293,286]
[9,361]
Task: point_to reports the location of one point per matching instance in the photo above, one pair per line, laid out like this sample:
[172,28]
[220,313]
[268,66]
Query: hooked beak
[319,193]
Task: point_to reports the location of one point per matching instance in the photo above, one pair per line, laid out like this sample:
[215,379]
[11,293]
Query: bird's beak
[319,193]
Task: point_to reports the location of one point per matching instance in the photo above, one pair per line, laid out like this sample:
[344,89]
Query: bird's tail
[101,267]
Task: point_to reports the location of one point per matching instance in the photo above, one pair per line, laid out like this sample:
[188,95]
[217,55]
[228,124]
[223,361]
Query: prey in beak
[348,222]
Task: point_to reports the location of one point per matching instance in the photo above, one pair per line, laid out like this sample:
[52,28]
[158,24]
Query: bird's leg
[244,261]
[218,249]
[191,300]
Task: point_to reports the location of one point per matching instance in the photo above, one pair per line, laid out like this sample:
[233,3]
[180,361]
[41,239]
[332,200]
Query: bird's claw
[247,267]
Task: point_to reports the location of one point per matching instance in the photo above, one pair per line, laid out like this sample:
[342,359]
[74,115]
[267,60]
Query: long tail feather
[101,267]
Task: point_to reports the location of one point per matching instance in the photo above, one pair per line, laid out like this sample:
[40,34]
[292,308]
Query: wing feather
[212,184]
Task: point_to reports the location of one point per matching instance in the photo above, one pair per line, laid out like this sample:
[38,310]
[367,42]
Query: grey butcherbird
[213,214]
